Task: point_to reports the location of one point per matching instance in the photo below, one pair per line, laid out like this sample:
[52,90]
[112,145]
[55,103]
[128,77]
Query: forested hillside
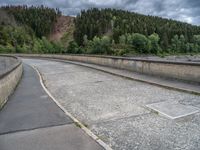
[39,29]
[40,19]
[24,29]
[120,26]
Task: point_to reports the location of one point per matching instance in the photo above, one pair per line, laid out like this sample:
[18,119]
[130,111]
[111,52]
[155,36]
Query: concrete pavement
[189,87]
[65,137]
[32,121]
[115,108]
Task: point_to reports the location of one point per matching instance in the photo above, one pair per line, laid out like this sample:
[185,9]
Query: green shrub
[141,43]
[99,45]
[154,39]
[73,48]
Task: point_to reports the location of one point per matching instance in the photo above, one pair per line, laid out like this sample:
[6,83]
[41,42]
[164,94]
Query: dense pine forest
[26,29]
[40,19]
[132,32]
[97,22]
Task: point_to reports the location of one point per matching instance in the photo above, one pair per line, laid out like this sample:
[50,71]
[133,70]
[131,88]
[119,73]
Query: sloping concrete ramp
[32,121]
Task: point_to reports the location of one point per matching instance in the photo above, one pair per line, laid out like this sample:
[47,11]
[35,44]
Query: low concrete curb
[76,121]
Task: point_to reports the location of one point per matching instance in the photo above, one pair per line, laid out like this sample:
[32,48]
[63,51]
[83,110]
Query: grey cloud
[183,10]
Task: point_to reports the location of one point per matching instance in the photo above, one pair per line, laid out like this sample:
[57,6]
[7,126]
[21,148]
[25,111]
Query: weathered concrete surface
[178,85]
[65,137]
[10,74]
[173,111]
[183,58]
[7,63]
[189,71]
[115,108]
[32,121]
[29,107]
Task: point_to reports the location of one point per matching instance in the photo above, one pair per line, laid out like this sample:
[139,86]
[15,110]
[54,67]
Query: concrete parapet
[10,74]
[188,71]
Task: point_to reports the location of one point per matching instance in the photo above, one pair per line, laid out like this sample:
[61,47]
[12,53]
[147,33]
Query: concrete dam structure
[188,71]
[98,102]
[10,74]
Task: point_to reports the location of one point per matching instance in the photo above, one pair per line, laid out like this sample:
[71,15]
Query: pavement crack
[36,128]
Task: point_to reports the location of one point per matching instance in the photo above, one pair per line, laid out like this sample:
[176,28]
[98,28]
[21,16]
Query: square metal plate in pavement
[173,111]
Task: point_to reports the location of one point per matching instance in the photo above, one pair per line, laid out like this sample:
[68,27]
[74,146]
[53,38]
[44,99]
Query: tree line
[41,19]
[121,26]
[135,43]
[24,29]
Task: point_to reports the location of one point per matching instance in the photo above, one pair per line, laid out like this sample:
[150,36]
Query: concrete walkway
[173,84]
[32,121]
[115,108]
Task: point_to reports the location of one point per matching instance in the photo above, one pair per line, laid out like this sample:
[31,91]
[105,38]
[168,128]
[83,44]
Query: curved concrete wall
[179,70]
[10,74]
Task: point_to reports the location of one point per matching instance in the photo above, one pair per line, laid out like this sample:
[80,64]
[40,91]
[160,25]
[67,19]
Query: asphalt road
[115,109]
[32,121]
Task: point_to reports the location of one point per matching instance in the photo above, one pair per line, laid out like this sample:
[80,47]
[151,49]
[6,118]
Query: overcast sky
[183,10]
